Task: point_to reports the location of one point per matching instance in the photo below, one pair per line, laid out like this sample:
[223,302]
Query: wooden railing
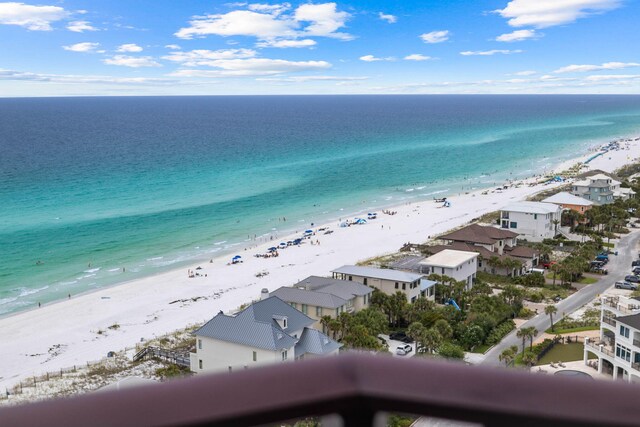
[354,388]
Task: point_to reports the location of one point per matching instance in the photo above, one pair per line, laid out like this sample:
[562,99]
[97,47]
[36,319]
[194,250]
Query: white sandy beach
[64,334]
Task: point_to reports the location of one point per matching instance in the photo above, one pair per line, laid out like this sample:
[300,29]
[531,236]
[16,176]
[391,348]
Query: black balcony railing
[609,321]
[355,387]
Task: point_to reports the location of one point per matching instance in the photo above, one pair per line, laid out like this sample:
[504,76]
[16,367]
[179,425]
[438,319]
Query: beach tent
[360,221]
[272,249]
[308,231]
[344,224]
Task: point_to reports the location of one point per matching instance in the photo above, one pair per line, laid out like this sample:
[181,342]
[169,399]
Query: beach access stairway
[566,232]
[180,358]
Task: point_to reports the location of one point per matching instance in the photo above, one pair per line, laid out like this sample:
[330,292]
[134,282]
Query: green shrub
[525,313]
[499,332]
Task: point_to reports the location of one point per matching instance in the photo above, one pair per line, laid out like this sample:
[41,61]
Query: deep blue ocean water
[91,185]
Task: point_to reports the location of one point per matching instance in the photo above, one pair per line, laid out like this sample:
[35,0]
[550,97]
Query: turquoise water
[89,186]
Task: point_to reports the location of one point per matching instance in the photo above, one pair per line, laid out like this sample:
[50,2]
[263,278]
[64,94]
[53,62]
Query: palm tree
[555,223]
[531,332]
[551,310]
[522,334]
[508,354]
[324,321]
[416,331]
[443,327]
[431,339]
[529,358]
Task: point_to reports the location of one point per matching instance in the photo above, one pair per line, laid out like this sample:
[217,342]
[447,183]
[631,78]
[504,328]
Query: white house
[268,331]
[618,347]
[459,265]
[388,281]
[534,221]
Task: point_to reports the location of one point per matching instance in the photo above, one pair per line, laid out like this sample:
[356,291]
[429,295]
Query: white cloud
[302,79]
[273,9]
[287,43]
[80,26]
[605,66]
[129,48]
[131,61]
[548,13]
[612,77]
[82,79]
[435,36]
[82,47]
[417,57]
[201,57]
[371,58]
[239,23]
[391,19]
[253,67]
[325,20]
[526,73]
[489,52]
[517,36]
[35,18]
[172,46]
[308,20]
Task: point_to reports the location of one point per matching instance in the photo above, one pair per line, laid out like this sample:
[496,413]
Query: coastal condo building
[459,265]
[601,189]
[618,347]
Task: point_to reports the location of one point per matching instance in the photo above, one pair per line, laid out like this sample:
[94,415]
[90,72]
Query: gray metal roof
[303,296]
[256,325]
[378,273]
[315,342]
[322,292]
[343,288]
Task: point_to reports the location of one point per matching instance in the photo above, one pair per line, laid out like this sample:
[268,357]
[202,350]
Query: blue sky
[188,47]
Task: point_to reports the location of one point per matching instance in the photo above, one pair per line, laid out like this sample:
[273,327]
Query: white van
[535,270]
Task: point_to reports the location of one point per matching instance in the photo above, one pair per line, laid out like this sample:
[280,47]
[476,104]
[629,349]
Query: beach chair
[552,365]
[561,364]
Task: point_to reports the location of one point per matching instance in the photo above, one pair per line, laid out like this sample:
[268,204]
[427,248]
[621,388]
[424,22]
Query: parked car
[631,278]
[402,350]
[635,263]
[636,270]
[626,285]
[600,270]
[400,336]
[549,264]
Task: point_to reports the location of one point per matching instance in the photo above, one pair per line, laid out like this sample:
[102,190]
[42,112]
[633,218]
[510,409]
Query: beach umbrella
[236,257]
[199,268]
[271,249]
[308,231]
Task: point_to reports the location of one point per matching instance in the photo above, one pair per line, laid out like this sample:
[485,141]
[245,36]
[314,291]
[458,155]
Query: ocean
[98,191]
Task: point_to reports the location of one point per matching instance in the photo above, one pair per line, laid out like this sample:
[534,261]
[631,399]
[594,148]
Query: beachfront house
[267,331]
[324,296]
[618,346]
[601,189]
[569,201]
[389,281]
[534,221]
[459,265]
[497,248]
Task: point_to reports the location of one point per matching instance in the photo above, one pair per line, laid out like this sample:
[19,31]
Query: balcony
[636,366]
[636,343]
[601,347]
[609,321]
[357,388]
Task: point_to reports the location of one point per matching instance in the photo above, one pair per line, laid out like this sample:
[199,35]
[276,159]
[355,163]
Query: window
[505,215]
[199,344]
[623,353]
[200,363]
[404,286]
[479,262]
[535,216]
[397,285]
[442,270]
[284,323]
[350,278]
[500,243]
[337,311]
[284,355]
[513,224]
[318,311]
[293,304]
[364,281]
[624,331]
[255,356]
[304,308]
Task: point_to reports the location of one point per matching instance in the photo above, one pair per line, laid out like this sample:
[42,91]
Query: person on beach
[39,305]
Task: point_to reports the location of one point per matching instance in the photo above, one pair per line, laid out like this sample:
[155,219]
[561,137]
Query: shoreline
[49,338]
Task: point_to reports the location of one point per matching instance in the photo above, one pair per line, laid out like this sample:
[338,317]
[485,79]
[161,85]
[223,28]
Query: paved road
[618,267]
